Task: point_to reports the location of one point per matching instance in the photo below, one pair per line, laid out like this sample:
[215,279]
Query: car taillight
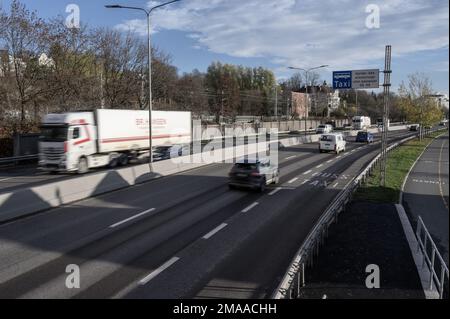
[255,174]
[66,147]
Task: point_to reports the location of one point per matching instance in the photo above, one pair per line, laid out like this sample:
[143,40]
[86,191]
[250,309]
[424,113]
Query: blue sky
[281,33]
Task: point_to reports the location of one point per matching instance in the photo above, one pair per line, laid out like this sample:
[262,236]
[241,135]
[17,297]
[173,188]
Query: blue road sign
[342,80]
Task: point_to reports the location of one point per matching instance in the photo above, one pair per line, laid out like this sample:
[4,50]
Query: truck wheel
[113,163]
[83,166]
[262,187]
[123,160]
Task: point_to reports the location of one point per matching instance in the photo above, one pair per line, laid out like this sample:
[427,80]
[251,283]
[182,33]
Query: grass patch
[398,164]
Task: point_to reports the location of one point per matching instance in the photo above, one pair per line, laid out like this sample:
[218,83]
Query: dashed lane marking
[156,272]
[249,207]
[214,231]
[131,218]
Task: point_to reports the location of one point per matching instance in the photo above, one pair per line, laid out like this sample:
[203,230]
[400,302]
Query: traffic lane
[20,177]
[300,205]
[61,229]
[26,279]
[426,193]
[257,266]
[161,287]
[319,155]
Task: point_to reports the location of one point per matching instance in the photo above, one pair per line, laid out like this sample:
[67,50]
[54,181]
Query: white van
[332,143]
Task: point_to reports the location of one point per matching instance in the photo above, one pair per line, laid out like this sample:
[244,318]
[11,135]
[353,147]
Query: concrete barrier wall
[34,199]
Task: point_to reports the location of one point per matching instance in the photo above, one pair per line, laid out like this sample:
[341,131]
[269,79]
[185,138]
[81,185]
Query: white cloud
[308,32]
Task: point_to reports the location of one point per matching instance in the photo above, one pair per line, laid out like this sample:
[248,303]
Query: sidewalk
[426,193]
[366,233]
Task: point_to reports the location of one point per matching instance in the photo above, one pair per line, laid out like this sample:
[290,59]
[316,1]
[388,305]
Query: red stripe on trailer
[141,138]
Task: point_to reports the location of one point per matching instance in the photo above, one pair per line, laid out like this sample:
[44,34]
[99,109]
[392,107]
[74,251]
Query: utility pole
[306,104]
[148,13]
[384,138]
[276,102]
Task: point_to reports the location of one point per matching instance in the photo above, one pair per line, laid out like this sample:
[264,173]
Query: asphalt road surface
[426,192]
[18,177]
[182,236]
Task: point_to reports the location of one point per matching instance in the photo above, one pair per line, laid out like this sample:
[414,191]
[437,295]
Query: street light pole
[306,79]
[150,102]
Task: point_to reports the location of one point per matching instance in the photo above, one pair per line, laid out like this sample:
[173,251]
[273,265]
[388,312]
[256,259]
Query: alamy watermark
[73,19]
[373,279]
[373,19]
[73,279]
[215,144]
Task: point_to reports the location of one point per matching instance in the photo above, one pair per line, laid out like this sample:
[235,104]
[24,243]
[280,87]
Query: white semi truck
[78,141]
[361,122]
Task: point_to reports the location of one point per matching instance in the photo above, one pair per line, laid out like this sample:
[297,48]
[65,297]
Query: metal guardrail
[294,279]
[425,244]
[16,159]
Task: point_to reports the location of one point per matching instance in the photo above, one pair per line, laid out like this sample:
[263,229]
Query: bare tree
[21,32]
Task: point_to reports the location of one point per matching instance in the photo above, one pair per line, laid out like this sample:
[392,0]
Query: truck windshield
[53,133]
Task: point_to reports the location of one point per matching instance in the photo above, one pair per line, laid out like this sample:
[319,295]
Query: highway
[426,192]
[182,236]
[14,178]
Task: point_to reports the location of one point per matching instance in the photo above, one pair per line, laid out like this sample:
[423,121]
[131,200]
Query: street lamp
[150,106]
[306,79]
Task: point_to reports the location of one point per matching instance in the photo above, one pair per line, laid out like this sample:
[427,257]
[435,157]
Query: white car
[332,143]
[324,129]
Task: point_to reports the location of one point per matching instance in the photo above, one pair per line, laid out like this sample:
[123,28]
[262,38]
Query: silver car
[253,173]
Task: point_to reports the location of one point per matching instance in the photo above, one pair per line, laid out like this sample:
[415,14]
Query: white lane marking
[276,190]
[305,181]
[316,173]
[440,177]
[335,185]
[329,161]
[339,157]
[5,179]
[291,157]
[156,272]
[307,172]
[249,207]
[214,231]
[131,218]
[319,166]
[293,180]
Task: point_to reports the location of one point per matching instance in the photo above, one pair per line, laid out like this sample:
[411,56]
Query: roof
[252,160]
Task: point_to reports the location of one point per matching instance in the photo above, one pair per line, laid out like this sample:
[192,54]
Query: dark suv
[253,173]
[364,137]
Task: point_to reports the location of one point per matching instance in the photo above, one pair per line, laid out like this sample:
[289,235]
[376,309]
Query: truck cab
[66,141]
[361,122]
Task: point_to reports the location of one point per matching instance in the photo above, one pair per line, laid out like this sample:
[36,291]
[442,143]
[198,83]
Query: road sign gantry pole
[385,132]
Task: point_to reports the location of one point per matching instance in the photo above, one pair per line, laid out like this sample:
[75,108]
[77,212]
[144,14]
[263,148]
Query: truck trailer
[78,141]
